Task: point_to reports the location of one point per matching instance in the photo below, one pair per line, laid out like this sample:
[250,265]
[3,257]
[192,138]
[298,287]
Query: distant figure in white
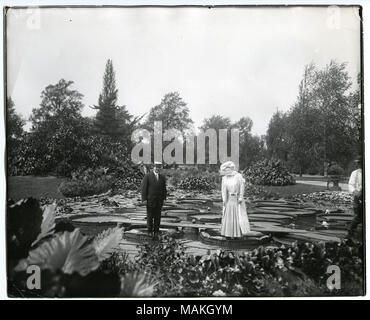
[355,187]
[235,223]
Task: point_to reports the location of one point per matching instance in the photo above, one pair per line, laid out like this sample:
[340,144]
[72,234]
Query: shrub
[335,170]
[213,177]
[259,192]
[334,198]
[201,183]
[126,177]
[95,181]
[270,173]
[84,150]
[175,177]
[81,188]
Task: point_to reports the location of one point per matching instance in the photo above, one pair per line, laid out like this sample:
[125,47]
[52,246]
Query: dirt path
[344,186]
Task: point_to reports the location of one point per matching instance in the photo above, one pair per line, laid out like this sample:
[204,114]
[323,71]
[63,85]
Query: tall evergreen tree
[112,120]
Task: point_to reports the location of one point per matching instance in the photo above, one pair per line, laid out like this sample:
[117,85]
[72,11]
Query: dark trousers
[357,208]
[153,218]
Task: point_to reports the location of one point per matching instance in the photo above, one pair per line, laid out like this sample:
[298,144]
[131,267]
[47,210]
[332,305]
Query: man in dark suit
[153,194]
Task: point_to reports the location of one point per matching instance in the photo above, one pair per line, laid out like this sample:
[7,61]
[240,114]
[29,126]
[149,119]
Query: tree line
[323,127]
[324,124]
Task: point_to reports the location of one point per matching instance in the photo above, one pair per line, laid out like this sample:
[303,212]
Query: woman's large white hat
[228,168]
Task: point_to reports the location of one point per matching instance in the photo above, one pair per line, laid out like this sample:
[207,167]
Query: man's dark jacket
[153,190]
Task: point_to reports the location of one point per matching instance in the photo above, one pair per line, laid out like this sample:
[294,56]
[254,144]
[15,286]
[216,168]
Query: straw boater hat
[358,159]
[228,169]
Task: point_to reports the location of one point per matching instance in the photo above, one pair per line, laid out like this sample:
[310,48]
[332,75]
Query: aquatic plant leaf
[48,222]
[137,284]
[69,252]
[107,242]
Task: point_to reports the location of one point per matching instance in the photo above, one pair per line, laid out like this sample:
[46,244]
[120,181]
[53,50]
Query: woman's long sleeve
[241,189]
[223,191]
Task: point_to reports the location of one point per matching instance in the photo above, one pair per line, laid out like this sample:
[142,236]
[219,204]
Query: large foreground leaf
[107,242]
[48,222]
[69,252]
[137,284]
[23,225]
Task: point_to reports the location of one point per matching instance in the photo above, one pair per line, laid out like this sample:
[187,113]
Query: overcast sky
[230,61]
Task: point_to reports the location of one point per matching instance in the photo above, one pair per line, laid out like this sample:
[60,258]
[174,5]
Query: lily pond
[195,221]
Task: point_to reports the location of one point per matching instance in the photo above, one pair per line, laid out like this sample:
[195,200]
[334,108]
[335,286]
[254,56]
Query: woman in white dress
[235,223]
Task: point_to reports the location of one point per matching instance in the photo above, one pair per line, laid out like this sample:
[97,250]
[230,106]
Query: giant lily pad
[215,218]
[292,212]
[277,207]
[337,233]
[213,237]
[273,228]
[312,237]
[335,218]
[278,213]
[333,226]
[301,212]
[180,212]
[192,201]
[267,216]
[140,234]
[283,240]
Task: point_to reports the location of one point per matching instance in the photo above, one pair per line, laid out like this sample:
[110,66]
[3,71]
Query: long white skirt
[235,223]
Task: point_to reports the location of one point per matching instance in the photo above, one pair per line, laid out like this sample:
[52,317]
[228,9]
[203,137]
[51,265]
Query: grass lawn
[299,188]
[308,177]
[31,186]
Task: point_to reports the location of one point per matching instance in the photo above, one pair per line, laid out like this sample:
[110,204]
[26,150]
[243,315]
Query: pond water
[196,222]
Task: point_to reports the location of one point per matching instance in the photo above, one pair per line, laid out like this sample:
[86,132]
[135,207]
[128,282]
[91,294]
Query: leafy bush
[270,173]
[67,151]
[95,181]
[259,192]
[201,183]
[213,177]
[127,177]
[175,177]
[332,197]
[76,188]
[335,170]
